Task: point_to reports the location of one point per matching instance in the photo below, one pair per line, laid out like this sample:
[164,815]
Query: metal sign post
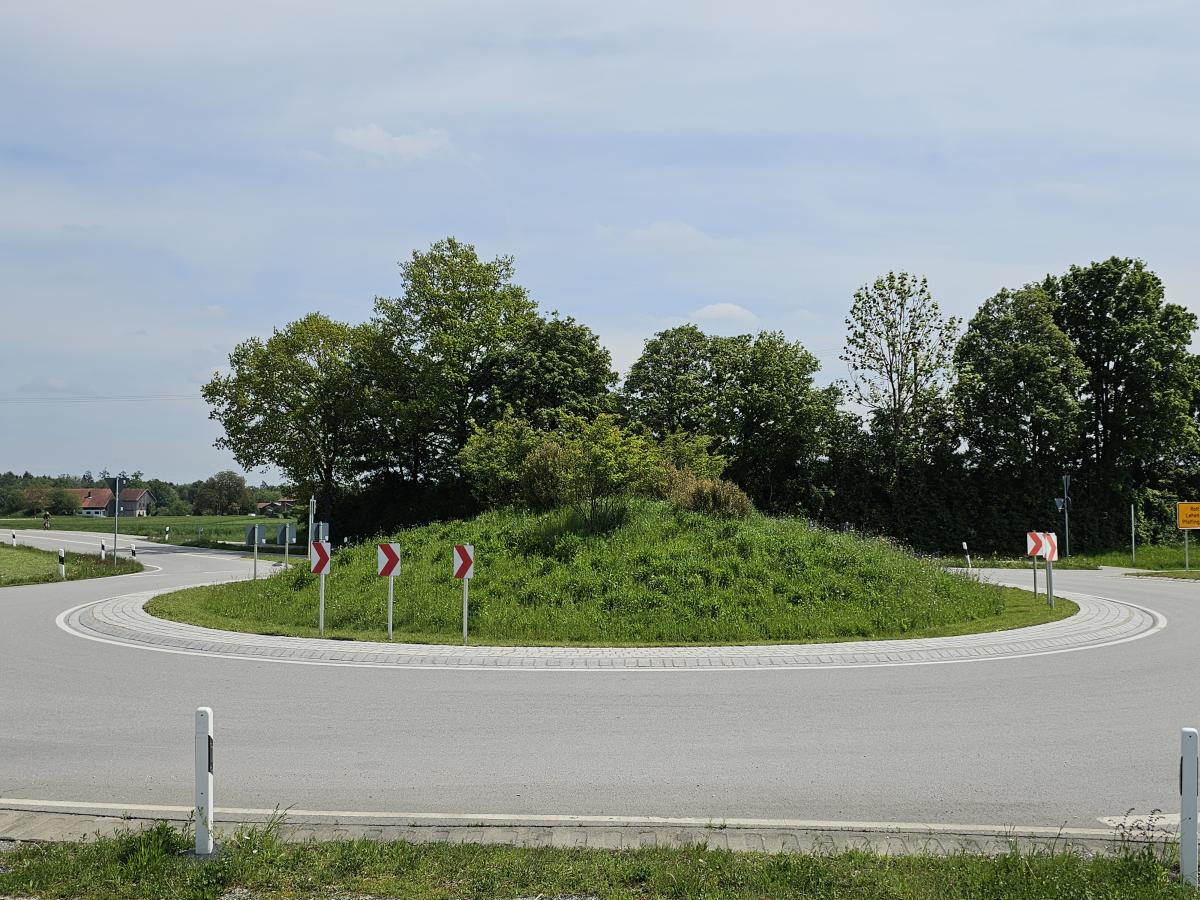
[116,519]
[387,558]
[1050,581]
[464,568]
[1067,514]
[1035,576]
[319,556]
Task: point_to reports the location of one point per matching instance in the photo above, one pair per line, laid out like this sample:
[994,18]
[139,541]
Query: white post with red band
[387,560]
[319,557]
[464,567]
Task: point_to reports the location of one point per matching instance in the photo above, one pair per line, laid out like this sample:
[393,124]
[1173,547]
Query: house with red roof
[99,501]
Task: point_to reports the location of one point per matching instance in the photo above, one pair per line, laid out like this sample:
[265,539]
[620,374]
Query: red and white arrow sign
[1042,543]
[1033,543]
[318,555]
[388,559]
[1050,546]
[464,561]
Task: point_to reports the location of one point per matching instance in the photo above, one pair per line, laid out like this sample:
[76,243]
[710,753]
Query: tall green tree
[552,367]
[770,420]
[670,387]
[1018,386]
[433,371]
[1139,386]
[296,401]
[899,349]
[224,494]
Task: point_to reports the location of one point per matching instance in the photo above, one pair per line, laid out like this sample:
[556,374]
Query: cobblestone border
[29,820]
[1100,622]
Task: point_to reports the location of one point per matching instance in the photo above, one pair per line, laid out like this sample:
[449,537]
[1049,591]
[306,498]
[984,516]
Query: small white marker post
[968,553]
[132,551]
[14,538]
[1189,763]
[204,781]
[167,535]
[62,563]
[102,554]
[1050,581]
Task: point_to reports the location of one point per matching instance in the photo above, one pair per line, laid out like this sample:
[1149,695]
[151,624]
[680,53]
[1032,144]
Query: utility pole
[1067,512]
[116,516]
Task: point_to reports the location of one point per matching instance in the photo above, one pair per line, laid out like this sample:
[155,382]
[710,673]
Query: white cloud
[409,147]
[725,312]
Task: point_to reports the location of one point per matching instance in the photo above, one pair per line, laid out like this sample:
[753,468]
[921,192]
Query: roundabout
[1072,722]
[123,621]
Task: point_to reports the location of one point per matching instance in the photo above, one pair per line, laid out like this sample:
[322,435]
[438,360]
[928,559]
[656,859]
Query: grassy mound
[28,565]
[654,576]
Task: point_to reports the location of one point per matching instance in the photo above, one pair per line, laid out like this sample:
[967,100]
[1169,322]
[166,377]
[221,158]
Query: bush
[713,496]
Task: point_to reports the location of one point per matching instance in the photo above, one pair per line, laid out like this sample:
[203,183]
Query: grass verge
[202,530]
[655,576]
[28,565]
[1186,574]
[1153,557]
[255,863]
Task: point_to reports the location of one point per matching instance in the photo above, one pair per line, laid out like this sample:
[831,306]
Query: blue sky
[174,180]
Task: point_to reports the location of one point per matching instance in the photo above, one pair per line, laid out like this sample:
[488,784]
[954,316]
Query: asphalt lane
[1048,740]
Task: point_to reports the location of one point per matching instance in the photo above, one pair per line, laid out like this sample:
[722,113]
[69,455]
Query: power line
[143,398]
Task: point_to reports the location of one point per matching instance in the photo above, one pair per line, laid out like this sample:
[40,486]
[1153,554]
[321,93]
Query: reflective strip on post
[204,781]
[1189,762]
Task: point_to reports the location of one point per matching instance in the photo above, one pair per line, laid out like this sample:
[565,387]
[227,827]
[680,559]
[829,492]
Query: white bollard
[132,552]
[1189,764]
[102,551]
[62,563]
[204,781]
[14,538]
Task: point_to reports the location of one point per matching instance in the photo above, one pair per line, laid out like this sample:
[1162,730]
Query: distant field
[184,529]
[26,565]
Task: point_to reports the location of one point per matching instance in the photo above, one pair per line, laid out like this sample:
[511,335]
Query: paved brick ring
[1100,622]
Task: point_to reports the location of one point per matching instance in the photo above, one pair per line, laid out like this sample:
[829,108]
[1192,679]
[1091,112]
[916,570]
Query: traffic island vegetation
[637,574]
[255,863]
[27,565]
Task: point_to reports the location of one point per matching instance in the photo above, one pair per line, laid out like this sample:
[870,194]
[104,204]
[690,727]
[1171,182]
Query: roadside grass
[1152,556]
[1185,574]
[255,863]
[28,565]
[655,576]
[186,530]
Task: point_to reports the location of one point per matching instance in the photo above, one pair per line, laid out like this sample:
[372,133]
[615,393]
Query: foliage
[27,565]
[224,494]
[638,573]
[295,401]
[898,348]
[255,862]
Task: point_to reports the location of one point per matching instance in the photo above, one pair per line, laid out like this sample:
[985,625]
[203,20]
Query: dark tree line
[460,386]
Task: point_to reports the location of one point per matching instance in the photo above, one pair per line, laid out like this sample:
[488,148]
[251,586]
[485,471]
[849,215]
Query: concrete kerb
[34,821]
[123,621]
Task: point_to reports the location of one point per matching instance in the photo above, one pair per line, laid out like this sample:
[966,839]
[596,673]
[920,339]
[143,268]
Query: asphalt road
[1047,740]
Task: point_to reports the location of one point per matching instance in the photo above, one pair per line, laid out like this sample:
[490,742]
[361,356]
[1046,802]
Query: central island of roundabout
[657,589]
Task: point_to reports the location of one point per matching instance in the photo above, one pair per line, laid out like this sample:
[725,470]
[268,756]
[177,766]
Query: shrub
[712,496]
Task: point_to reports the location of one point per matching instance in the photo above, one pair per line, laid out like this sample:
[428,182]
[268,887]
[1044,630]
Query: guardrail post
[204,781]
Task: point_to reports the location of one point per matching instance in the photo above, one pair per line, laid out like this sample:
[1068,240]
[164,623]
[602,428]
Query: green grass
[203,530]
[27,565]
[1154,557]
[658,576]
[255,864]
[1185,574]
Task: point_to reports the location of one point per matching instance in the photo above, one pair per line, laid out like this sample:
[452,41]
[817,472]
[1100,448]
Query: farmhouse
[99,501]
